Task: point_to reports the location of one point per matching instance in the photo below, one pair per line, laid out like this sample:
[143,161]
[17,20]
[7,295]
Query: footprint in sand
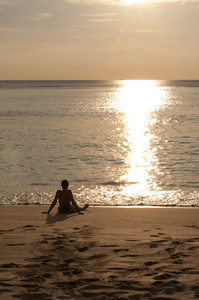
[150,263]
[82,249]
[32,296]
[175,255]
[192,248]
[10,265]
[195,288]
[32,266]
[192,226]
[151,274]
[130,255]
[72,241]
[43,242]
[30,227]
[120,250]
[163,276]
[167,283]
[15,244]
[170,250]
[178,262]
[186,270]
[69,260]
[31,286]
[96,256]
[177,243]
[6,276]
[3,231]
[5,291]
[173,286]
[107,246]
[153,245]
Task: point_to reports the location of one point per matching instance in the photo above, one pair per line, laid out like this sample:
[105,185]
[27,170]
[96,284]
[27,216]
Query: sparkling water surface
[117,142]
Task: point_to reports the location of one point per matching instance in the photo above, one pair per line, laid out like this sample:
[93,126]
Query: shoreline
[106,253]
[96,197]
[109,206]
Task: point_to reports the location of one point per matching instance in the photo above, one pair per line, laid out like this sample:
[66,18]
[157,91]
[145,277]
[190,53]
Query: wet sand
[106,253]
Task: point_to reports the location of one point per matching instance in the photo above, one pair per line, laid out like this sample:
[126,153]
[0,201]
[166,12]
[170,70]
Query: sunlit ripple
[137,102]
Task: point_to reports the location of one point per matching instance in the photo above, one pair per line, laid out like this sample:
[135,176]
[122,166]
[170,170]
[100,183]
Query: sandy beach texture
[106,253]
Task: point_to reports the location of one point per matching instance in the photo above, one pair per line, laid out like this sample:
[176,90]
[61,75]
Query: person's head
[64,183]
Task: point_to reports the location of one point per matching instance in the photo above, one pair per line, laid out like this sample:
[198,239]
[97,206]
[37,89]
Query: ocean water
[117,142]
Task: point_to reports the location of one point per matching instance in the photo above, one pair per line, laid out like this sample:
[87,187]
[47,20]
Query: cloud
[43,16]
[124,2]
[99,17]
[139,31]
[79,26]
[101,2]
[6,29]
[100,20]
[5,3]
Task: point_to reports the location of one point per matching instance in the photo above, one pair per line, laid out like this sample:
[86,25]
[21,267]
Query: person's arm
[54,202]
[75,204]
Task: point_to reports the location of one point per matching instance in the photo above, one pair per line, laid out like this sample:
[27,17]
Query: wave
[107,194]
[39,184]
[118,183]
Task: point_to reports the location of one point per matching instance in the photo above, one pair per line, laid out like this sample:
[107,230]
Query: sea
[118,143]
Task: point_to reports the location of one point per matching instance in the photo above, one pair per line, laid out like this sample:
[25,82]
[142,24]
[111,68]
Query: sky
[99,39]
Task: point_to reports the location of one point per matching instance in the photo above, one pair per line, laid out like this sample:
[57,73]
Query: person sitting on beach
[67,203]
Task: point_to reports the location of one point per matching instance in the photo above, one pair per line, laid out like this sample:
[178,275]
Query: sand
[106,253]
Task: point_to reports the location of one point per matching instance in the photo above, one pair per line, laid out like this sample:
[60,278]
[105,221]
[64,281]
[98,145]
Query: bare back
[65,198]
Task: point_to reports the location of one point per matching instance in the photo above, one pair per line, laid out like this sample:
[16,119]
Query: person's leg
[73,209]
[64,211]
[85,207]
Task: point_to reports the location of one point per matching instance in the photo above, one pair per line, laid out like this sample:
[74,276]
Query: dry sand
[107,253]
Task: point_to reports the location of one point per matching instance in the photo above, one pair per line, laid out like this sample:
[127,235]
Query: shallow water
[117,142]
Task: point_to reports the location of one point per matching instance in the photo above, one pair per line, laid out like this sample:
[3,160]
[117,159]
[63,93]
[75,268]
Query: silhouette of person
[67,203]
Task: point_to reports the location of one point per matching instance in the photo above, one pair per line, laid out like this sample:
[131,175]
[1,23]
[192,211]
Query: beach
[105,253]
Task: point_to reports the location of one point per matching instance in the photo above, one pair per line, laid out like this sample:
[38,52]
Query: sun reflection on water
[137,101]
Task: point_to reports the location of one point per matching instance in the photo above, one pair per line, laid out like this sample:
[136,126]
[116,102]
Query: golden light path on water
[137,101]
